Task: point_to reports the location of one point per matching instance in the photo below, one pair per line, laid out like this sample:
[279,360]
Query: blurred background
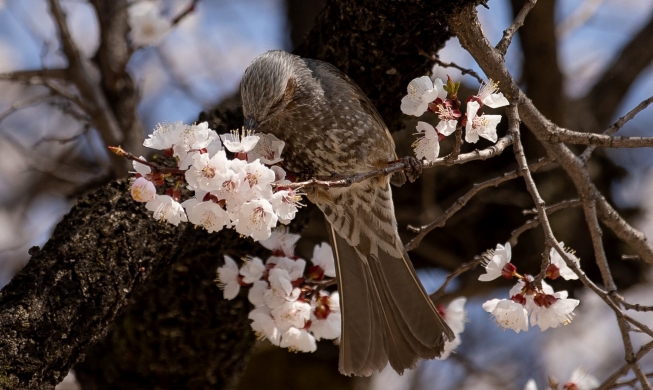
[48,158]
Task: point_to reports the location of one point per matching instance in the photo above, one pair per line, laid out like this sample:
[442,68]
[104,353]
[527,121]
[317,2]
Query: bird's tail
[386,314]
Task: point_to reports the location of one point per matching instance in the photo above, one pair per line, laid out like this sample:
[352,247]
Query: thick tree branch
[469,31]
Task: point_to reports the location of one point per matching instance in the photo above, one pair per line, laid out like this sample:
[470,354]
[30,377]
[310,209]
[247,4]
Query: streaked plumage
[329,125]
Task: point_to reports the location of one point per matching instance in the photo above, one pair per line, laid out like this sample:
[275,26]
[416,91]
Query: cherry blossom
[323,258]
[422,91]
[264,325]
[508,314]
[487,95]
[228,277]
[298,340]
[281,289]
[148,26]
[494,267]
[427,146]
[209,215]
[325,317]
[268,149]
[192,140]
[239,142]
[562,268]
[143,190]
[256,219]
[581,379]
[292,314]
[480,126]
[281,241]
[455,316]
[164,136]
[206,173]
[166,209]
[252,270]
[553,310]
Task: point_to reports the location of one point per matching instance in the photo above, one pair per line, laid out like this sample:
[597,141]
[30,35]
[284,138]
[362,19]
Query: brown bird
[329,125]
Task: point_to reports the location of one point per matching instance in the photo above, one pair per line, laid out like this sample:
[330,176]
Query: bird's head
[269,86]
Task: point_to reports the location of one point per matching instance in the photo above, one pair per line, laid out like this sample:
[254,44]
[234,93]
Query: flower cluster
[546,308]
[455,316]
[580,379]
[442,100]
[291,308]
[242,193]
[147,24]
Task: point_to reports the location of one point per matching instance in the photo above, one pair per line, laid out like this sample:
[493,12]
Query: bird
[330,126]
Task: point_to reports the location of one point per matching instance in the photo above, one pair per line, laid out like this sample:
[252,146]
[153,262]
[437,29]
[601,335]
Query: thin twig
[502,46]
[458,271]
[587,153]
[462,201]
[339,180]
[535,222]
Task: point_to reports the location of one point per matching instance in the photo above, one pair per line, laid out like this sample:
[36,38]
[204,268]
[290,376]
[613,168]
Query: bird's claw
[412,168]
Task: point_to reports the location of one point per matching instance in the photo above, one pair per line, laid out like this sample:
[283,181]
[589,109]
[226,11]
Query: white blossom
[264,325]
[281,289]
[581,379]
[164,136]
[252,271]
[228,278]
[258,178]
[427,146]
[140,168]
[143,190]
[500,257]
[328,328]
[292,314]
[256,219]
[209,215]
[166,209]
[285,204]
[148,26]
[326,321]
[256,293]
[455,316]
[421,92]
[488,95]
[559,262]
[480,126]
[530,385]
[281,241]
[239,142]
[268,149]
[298,340]
[447,127]
[323,258]
[508,314]
[559,313]
[206,173]
[294,267]
[192,139]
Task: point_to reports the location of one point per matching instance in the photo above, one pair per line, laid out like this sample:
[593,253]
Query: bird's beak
[250,123]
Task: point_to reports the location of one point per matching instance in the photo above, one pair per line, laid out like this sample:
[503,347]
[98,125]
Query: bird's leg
[412,167]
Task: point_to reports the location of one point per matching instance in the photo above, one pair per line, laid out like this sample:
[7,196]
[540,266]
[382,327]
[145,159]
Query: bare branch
[470,34]
[579,138]
[462,201]
[502,46]
[458,271]
[535,222]
[29,75]
[587,153]
[347,180]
